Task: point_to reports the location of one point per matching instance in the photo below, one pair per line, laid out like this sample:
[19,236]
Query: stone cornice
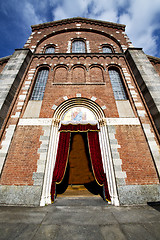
[78,20]
[78,54]
[153,59]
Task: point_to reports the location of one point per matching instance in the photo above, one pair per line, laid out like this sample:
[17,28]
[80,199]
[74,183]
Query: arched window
[106,49]
[78,46]
[40,84]
[117,85]
[50,49]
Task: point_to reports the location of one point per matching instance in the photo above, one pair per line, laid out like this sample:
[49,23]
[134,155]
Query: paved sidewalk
[80,219]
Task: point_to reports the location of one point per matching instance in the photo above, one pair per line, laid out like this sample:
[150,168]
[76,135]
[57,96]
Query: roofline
[5,58]
[153,58]
[53,23]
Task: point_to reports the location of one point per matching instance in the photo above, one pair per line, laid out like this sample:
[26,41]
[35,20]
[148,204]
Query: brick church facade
[86,74]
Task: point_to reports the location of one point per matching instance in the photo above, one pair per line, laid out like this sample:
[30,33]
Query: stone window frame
[49,46]
[107,46]
[78,40]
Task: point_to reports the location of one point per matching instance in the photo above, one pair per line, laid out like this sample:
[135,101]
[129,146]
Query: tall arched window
[78,46]
[106,49]
[117,85]
[40,84]
[50,49]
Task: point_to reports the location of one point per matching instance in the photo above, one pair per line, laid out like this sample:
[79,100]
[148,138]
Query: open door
[79,160]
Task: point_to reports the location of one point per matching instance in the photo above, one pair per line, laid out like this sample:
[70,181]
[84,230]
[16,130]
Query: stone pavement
[80,219]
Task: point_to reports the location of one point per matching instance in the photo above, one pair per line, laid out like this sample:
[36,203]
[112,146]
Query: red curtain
[96,160]
[61,161]
[78,128]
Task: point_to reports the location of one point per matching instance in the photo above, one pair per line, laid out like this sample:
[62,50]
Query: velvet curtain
[96,160]
[63,153]
[61,161]
[78,128]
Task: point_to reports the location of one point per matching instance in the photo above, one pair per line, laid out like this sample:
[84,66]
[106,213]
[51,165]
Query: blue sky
[141,17]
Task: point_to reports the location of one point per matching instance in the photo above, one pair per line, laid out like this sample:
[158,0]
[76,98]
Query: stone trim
[6,144]
[78,19]
[122,121]
[138,194]
[38,176]
[20,195]
[117,162]
[154,147]
[48,121]
[10,79]
[35,122]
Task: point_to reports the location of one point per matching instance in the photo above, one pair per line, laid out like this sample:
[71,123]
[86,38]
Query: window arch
[40,84]
[78,46]
[117,85]
[107,49]
[50,49]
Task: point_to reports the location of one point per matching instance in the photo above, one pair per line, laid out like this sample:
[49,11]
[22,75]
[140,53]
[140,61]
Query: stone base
[20,195]
[30,195]
[138,194]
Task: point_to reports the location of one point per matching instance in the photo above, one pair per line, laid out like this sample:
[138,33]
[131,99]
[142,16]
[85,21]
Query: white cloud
[137,15]
[30,16]
[141,23]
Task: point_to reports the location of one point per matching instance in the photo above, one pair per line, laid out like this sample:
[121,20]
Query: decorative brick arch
[92,100]
[76,102]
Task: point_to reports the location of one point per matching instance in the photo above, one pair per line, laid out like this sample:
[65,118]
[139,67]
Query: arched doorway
[93,115]
[79,179]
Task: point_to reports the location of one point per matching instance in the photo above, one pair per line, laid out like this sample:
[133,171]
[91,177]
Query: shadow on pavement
[155,205]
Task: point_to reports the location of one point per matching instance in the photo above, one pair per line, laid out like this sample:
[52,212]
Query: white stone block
[16,115]
[122,121]
[20,103]
[141,113]
[40,168]
[93,98]
[22,97]
[54,107]
[35,122]
[65,98]
[120,174]
[138,104]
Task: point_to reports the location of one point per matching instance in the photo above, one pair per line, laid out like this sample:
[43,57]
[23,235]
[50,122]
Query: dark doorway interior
[79,174]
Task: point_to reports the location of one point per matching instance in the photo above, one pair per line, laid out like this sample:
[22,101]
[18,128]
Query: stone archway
[104,146]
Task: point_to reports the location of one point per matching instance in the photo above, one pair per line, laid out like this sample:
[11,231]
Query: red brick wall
[60,33]
[22,156]
[136,158]
[95,42]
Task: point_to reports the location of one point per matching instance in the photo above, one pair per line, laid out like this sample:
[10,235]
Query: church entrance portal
[80,111]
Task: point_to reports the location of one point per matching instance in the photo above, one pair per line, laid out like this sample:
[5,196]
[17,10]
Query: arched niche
[96,74]
[78,74]
[60,74]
